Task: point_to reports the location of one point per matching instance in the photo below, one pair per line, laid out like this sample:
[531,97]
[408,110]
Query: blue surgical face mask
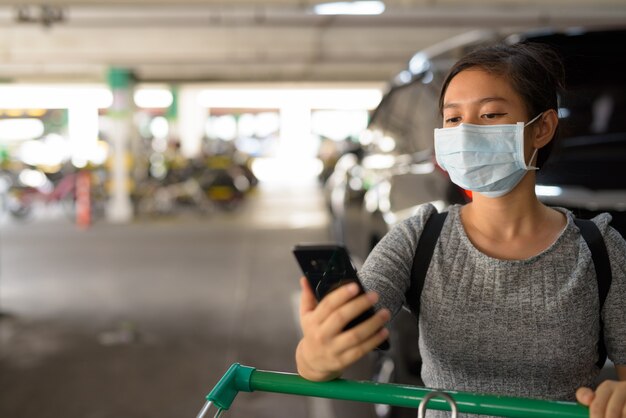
[487,159]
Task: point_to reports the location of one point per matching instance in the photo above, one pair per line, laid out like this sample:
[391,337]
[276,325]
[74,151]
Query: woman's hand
[608,400]
[325,349]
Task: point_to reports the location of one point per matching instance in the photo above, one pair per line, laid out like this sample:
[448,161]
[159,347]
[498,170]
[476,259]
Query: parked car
[397,172]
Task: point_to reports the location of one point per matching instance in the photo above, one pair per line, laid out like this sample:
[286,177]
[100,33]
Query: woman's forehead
[475,85]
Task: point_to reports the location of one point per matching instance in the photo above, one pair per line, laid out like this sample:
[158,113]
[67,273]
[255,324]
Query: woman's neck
[516,214]
[516,226]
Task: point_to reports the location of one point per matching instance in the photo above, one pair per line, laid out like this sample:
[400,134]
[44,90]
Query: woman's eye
[492,115]
[455,119]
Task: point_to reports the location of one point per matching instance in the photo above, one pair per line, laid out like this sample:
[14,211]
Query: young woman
[510,301]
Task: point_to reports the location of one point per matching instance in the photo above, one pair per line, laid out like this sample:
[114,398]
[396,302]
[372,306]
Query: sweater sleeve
[614,310]
[387,269]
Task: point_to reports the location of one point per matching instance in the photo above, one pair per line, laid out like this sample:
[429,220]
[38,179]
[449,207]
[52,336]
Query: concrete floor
[141,320]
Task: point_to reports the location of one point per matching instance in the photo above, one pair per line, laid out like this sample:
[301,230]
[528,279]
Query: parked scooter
[31,187]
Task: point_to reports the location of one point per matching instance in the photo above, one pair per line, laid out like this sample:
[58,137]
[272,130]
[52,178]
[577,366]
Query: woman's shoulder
[602,221]
[407,231]
[422,213]
[614,241]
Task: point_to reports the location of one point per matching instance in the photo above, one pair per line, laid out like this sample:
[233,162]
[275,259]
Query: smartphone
[327,267]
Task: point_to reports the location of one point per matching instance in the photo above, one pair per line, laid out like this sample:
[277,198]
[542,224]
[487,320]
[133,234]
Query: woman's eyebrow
[481,101]
[492,99]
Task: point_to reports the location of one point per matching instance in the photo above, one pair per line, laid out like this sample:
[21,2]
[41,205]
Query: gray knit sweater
[524,328]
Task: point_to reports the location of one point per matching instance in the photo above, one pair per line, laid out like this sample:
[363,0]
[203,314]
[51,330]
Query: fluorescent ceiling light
[346,99]
[20,129]
[350,8]
[153,98]
[54,96]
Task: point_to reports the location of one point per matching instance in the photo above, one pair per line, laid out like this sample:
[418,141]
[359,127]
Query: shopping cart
[240,378]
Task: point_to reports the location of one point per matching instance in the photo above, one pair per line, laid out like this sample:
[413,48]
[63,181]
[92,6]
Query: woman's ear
[545,128]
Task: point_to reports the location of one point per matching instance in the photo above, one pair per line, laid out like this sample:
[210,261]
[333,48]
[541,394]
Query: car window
[392,115]
[409,114]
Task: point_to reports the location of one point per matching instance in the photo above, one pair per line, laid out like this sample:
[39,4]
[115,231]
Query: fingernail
[352,288]
[385,314]
[373,297]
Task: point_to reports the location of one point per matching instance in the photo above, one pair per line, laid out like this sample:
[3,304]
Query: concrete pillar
[172,115]
[119,209]
[295,131]
[191,120]
[83,132]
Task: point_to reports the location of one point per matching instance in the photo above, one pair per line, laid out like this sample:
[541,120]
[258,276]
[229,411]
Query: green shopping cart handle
[248,379]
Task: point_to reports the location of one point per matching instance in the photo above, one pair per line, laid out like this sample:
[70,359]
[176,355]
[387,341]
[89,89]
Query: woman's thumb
[307,297]
[585,396]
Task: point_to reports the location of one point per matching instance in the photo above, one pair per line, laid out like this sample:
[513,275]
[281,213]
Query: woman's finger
[617,402]
[362,332]
[334,300]
[584,396]
[355,353]
[307,298]
[341,317]
[597,407]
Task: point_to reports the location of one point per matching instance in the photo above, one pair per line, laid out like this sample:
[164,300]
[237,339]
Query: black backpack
[590,232]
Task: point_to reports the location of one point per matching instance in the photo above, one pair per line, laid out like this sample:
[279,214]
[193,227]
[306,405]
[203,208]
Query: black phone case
[326,267]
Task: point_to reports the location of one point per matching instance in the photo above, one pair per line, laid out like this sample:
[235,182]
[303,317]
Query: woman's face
[478,97]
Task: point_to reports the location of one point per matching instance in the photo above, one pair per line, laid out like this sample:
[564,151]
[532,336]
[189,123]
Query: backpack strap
[421,260]
[592,236]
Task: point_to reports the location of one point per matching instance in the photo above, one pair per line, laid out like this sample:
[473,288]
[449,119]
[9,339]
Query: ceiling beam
[175,15]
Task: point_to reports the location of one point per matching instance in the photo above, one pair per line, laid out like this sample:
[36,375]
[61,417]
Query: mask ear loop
[532,157]
[533,119]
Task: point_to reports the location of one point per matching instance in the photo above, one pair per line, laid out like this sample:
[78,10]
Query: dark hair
[534,70]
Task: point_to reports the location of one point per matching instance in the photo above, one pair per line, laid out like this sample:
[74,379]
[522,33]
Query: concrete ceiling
[245,40]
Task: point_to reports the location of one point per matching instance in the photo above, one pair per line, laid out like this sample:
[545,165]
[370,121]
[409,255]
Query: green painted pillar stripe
[172,110]
[119,78]
[121,84]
